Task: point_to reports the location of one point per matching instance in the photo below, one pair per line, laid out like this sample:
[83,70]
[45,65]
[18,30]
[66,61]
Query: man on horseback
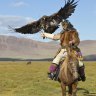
[68,37]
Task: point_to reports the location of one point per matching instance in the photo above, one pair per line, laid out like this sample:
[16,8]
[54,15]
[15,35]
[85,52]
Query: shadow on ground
[86,92]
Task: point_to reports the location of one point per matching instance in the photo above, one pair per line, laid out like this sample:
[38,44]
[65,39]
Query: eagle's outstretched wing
[49,23]
[29,28]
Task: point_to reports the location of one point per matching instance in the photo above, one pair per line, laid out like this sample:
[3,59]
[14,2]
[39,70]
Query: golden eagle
[49,23]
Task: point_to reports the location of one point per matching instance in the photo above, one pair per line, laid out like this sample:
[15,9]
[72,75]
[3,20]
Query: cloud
[17,21]
[14,21]
[19,4]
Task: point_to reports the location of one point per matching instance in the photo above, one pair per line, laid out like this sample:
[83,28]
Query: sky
[17,13]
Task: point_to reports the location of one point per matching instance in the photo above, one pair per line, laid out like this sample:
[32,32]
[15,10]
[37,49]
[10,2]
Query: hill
[22,48]
[13,47]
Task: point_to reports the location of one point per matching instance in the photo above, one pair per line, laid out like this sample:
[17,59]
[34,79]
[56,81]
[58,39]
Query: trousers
[63,54]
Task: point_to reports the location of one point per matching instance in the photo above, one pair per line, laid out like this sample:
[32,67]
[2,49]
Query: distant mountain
[22,48]
[88,47]
[90,57]
[13,47]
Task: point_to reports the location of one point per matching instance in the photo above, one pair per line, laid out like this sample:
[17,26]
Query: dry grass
[20,79]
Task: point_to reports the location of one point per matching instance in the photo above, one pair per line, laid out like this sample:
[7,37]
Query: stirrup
[51,76]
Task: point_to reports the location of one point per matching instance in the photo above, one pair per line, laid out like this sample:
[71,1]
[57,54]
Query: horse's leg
[70,90]
[63,87]
[74,89]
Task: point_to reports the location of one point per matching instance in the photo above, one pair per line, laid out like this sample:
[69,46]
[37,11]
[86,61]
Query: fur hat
[67,25]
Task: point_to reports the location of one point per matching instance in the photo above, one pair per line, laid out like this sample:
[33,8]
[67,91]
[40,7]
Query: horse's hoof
[83,78]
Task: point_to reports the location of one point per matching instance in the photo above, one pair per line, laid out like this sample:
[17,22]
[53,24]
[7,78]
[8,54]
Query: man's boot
[52,72]
[82,73]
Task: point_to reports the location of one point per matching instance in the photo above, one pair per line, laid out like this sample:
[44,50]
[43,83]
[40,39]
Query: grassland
[20,79]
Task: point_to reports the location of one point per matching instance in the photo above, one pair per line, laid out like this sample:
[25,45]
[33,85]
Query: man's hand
[43,35]
[71,42]
[47,35]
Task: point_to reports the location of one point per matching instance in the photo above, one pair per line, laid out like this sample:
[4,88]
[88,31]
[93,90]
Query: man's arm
[51,36]
[56,36]
[75,40]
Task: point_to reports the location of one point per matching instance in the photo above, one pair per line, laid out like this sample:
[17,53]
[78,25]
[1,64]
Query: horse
[29,62]
[69,73]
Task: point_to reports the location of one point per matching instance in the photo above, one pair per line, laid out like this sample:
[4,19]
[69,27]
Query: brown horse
[69,74]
